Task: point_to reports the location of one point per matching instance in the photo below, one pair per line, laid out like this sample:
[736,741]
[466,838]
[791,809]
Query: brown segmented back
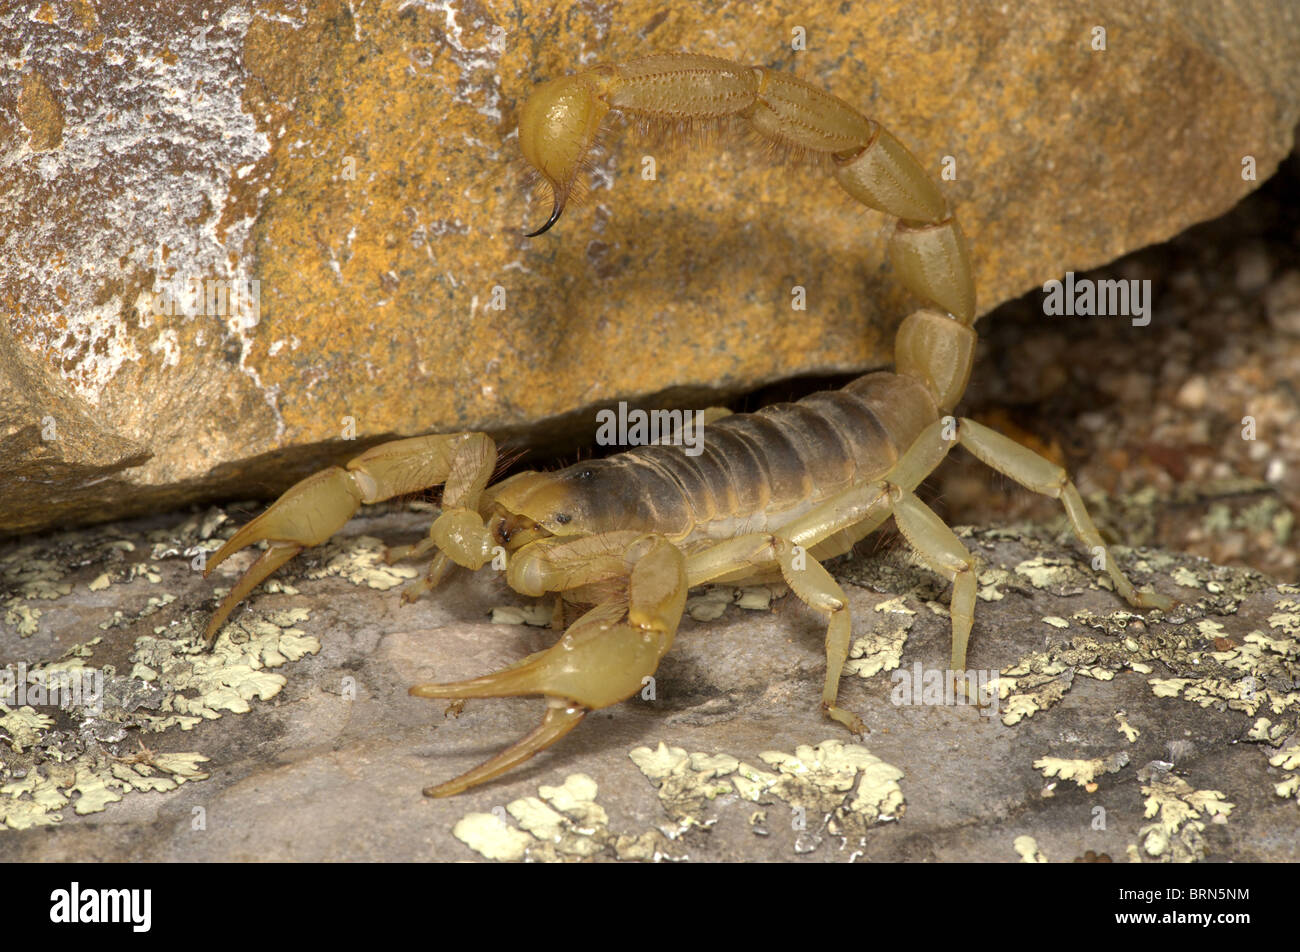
[756,471]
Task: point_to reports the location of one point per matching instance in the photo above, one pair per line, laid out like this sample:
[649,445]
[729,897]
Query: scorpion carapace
[771,494]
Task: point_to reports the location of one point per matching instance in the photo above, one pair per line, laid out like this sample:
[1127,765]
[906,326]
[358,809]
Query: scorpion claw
[599,661]
[307,514]
[560,718]
[275,556]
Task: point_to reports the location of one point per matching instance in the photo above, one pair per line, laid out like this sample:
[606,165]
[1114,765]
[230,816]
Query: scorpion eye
[586,474]
[563,518]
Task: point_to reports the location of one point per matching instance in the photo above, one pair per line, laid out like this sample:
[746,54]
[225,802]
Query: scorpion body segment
[769,494]
[755,472]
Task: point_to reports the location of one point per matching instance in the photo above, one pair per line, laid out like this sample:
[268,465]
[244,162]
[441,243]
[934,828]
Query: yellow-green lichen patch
[143,570]
[89,783]
[361,562]
[493,838]
[67,751]
[1027,848]
[1288,759]
[882,649]
[1059,576]
[539,615]
[200,684]
[1024,691]
[22,726]
[713,601]
[32,574]
[854,786]
[153,604]
[758,598]
[1180,812]
[1083,772]
[23,618]
[685,781]
[562,824]
[27,577]
[174,681]
[1264,731]
[709,604]
[33,800]
[190,538]
[845,785]
[1130,732]
[991,581]
[1259,673]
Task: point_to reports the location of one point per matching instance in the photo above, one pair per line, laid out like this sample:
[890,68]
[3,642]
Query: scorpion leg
[810,581]
[944,553]
[311,511]
[831,528]
[854,512]
[1028,469]
[1043,476]
[602,659]
[941,548]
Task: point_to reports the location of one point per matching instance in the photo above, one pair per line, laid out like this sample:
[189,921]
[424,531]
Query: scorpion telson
[772,494]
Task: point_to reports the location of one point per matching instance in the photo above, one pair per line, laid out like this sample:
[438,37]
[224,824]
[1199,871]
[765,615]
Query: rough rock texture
[1161,738]
[356,161]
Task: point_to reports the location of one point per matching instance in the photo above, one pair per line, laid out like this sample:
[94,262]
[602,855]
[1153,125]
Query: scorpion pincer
[773,493]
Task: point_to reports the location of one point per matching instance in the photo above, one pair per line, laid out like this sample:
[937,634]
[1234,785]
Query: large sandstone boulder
[238,233]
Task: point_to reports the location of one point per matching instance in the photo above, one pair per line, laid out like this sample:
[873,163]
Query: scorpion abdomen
[755,472]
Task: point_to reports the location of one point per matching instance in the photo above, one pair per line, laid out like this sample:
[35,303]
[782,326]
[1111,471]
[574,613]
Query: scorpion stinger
[555,216]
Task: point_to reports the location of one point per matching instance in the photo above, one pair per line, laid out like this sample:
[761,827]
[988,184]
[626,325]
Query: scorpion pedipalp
[603,658]
[312,510]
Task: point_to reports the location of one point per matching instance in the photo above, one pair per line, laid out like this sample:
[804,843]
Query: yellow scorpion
[772,492]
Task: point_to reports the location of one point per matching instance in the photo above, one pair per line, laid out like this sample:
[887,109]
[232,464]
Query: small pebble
[1282,303]
[1254,268]
[1193,394]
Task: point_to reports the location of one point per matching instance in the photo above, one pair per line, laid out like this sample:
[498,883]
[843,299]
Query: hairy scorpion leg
[311,511]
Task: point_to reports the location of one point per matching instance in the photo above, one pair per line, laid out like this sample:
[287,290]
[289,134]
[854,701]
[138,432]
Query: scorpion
[773,494]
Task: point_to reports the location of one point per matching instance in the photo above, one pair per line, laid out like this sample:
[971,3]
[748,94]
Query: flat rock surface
[356,165]
[1161,737]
